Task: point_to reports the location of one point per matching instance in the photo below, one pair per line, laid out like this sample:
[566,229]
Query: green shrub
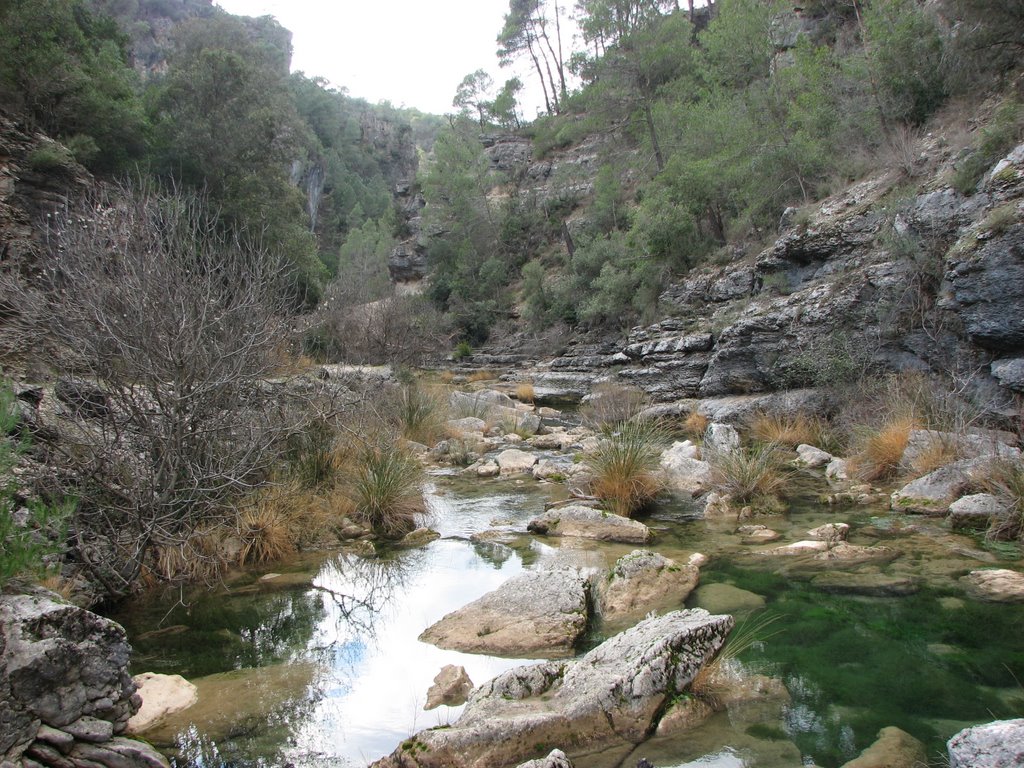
[754,475]
[462,350]
[997,138]
[386,489]
[47,158]
[26,544]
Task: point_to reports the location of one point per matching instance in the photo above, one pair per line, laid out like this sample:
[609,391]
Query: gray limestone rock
[994,745]
[611,696]
[555,759]
[996,585]
[586,523]
[1010,373]
[809,456]
[451,686]
[976,511]
[644,581]
[537,613]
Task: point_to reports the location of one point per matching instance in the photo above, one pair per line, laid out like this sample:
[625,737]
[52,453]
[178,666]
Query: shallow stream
[320,665]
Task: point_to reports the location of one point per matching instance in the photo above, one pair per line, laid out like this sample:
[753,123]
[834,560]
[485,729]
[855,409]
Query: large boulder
[537,613]
[993,745]
[644,581]
[516,462]
[65,687]
[933,493]
[610,696]
[586,523]
[977,510]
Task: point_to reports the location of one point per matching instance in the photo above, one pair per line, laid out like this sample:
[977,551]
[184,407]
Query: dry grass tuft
[612,404]
[1005,479]
[626,466]
[789,430]
[882,449]
[938,453]
[482,375]
[696,424]
[200,558]
[525,392]
[266,529]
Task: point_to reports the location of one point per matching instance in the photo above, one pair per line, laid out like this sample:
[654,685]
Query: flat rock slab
[993,745]
[995,585]
[586,523]
[610,696]
[537,613]
[513,461]
[726,598]
[870,584]
[644,581]
[162,695]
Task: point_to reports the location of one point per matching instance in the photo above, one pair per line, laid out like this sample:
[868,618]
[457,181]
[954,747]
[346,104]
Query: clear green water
[321,666]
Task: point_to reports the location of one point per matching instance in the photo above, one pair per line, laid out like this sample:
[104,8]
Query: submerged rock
[644,581]
[871,584]
[894,748]
[162,695]
[612,695]
[994,745]
[996,585]
[451,686]
[726,598]
[586,523]
[536,613]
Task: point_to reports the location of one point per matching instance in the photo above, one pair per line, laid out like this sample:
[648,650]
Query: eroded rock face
[65,687]
[993,745]
[586,523]
[537,613]
[644,581]
[612,695]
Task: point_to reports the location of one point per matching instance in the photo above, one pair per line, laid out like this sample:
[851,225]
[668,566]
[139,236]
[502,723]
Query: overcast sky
[409,52]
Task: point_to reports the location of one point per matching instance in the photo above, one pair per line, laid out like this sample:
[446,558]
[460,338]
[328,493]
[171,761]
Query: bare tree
[169,325]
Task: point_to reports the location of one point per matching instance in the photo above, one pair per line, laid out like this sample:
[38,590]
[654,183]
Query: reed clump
[626,465]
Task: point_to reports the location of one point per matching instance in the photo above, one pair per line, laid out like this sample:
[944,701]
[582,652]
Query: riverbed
[318,663]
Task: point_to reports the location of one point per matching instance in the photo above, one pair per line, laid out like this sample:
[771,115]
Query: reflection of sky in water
[372,695]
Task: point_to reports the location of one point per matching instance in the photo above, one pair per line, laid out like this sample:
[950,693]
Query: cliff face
[37,177]
[876,277]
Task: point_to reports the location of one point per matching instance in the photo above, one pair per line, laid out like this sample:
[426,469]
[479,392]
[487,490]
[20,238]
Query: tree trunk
[649,116]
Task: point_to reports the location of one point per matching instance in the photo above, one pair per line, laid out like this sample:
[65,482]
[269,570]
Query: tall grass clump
[525,392]
[881,449]
[755,475]
[696,424]
[1005,479]
[611,404]
[386,489]
[420,414]
[789,430]
[626,465]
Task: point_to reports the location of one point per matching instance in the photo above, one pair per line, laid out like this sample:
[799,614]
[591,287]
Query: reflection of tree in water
[359,591]
[317,626]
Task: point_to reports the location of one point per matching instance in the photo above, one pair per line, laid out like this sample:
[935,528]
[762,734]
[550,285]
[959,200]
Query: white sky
[413,53]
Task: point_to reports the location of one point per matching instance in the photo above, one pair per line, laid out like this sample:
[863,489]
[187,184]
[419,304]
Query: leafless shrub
[175,322]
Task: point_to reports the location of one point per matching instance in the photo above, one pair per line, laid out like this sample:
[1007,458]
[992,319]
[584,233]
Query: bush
[754,475]
[626,465]
[612,403]
[1005,479]
[386,490]
[25,544]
